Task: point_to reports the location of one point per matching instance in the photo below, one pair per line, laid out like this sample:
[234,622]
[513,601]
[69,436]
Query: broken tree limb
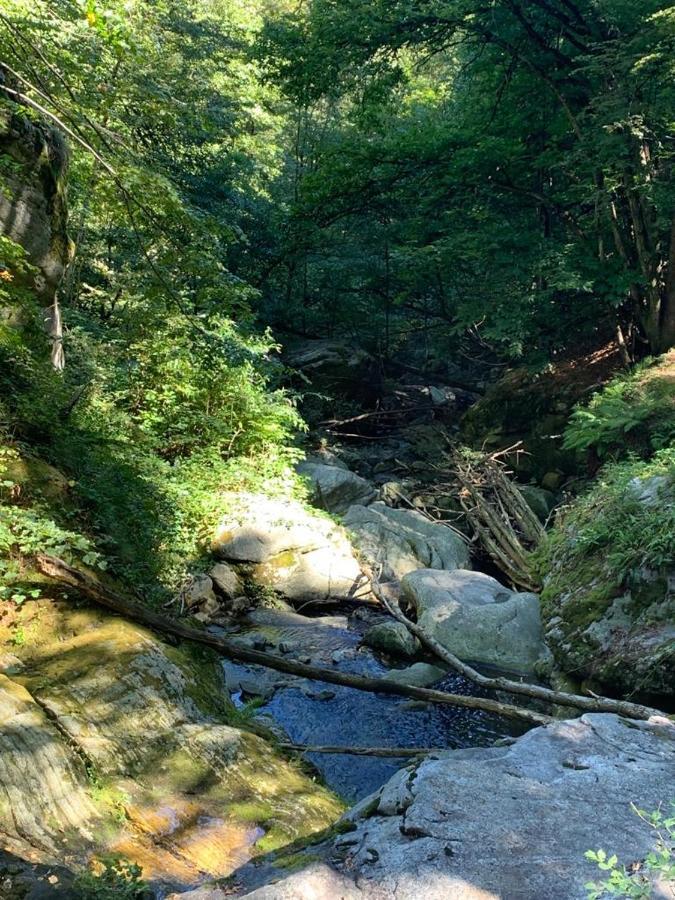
[537,692]
[392,752]
[94,590]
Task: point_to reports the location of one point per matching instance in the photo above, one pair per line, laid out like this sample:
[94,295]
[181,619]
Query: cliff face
[33,208]
[33,211]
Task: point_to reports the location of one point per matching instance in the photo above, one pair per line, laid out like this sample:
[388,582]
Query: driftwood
[94,590]
[501,519]
[537,692]
[388,752]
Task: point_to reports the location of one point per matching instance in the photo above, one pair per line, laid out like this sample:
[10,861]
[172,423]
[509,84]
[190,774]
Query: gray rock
[313,694]
[418,675]
[291,550]
[200,593]
[33,210]
[257,687]
[476,618]
[398,541]
[650,491]
[505,822]
[392,638]
[10,664]
[335,489]
[328,356]
[226,581]
[325,457]
[540,501]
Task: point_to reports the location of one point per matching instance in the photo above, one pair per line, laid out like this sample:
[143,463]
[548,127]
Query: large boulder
[334,487]
[504,822]
[398,541]
[476,618]
[282,546]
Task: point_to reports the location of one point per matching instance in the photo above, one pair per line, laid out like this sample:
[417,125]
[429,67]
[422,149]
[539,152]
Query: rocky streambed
[114,740]
[308,713]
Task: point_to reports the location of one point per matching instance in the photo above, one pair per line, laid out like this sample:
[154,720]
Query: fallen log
[94,590]
[537,692]
[387,752]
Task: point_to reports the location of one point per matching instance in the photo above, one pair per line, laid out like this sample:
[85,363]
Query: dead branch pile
[497,512]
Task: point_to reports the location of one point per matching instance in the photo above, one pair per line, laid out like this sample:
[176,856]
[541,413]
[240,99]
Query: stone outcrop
[398,541]
[33,209]
[33,214]
[476,618]
[281,546]
[496,823]
[619,633]
[111,740]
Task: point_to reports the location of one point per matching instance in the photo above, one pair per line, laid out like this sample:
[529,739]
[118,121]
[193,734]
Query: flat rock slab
[506,823]
[177,790]
[477,618]
[398,541]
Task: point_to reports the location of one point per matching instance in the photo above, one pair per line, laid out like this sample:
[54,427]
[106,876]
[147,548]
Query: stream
[315,714]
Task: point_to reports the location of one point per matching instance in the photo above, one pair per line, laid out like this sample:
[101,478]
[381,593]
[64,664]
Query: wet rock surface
[550,796]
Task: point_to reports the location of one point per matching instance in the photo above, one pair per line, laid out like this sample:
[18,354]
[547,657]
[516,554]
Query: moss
[293,862]
[205,682]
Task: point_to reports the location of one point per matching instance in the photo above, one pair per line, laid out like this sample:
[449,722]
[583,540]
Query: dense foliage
[170,393]
[420,176]
[501,168]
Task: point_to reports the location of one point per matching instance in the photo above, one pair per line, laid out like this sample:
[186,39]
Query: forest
[337,449]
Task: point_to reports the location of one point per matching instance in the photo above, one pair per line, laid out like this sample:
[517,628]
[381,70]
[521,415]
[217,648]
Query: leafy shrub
[112,878]
[637,881]
[609,528]
[635,411]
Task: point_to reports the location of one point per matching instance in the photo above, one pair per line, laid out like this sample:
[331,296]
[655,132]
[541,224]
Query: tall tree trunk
[667,317]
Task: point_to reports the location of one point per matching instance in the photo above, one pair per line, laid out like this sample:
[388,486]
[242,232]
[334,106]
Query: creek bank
[548,797]
[112,740]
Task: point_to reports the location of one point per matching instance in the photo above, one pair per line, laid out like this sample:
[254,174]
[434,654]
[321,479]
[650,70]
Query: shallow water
[351,717]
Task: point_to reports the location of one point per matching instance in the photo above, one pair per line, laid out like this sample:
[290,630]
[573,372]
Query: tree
[522,151]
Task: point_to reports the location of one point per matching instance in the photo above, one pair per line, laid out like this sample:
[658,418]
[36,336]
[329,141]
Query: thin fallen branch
[96,591]
[389,752]
[588,704]
[377,414]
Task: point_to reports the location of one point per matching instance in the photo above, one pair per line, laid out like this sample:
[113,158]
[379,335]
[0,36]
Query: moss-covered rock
[148,765]
[608,602]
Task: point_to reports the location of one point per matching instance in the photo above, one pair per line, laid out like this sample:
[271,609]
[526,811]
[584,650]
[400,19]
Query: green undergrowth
[634,413]
[148,434]
[607,536]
